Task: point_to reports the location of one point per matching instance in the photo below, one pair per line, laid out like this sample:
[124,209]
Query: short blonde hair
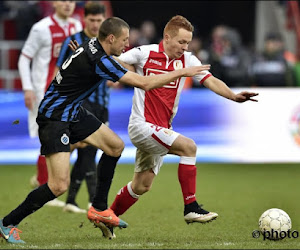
[176,23]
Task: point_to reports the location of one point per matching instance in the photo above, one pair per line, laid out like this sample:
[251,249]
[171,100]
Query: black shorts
[56,136]
[98,110]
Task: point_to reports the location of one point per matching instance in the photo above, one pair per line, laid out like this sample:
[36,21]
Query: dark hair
[112,25]
[93,8]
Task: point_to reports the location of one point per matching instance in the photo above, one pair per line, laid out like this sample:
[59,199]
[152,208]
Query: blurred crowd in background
[233,62]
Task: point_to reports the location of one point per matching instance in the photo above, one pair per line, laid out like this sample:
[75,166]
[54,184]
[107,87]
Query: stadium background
[244,150]
[223,131]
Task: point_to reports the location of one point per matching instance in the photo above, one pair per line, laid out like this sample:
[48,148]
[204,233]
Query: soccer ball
[274,221]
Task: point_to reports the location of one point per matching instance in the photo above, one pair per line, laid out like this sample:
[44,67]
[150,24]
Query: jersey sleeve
[131,56]
[110,69]
[194,61]
[65,51]
[33,42]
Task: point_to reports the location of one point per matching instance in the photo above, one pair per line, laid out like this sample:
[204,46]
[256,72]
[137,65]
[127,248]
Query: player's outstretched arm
[125,65]
[157,81]
[220,88]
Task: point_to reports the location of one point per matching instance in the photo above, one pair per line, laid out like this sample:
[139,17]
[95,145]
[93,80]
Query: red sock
[42,172]
[187,179]
[124,200]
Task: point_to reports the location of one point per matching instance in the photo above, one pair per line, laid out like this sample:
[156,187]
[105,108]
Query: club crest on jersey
[177,64]
[64,139]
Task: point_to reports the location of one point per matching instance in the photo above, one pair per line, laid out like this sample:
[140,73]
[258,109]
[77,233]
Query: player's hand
[73,45]
[29,98]
[196,70]
[245,96]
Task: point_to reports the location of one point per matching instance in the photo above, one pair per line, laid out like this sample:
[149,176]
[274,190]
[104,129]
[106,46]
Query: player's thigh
[107,140]
[183,146]
[58,170]
[91,130]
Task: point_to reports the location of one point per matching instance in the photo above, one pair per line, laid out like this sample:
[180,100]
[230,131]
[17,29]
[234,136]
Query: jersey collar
[161,46]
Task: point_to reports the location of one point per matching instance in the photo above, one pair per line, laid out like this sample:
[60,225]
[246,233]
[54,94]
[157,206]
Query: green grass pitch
[239,193]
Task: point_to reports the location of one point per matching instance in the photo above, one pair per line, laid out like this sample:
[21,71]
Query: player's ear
[111,38]
[167,37]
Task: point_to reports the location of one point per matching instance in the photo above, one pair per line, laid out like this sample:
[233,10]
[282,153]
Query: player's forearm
[125,65]
[24,71]
[150,82]
[157,81]
[219,87]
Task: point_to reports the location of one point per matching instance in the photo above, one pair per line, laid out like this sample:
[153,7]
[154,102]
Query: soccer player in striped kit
[97,103]
[63,121]
[41,50]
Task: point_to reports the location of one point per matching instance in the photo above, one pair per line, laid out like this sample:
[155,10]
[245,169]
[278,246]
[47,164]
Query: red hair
[176,23]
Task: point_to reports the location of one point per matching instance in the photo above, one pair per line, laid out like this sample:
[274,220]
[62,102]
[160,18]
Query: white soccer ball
[275,220]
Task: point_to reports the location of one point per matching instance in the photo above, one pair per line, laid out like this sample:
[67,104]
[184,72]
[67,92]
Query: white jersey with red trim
[43,46]
[158,106]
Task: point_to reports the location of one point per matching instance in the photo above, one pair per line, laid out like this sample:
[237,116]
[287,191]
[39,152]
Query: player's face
[92,24]
[120,43]
[64,9]
[175,46]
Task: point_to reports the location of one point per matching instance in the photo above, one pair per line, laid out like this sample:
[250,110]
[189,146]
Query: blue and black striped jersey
[80,75]
[100,95]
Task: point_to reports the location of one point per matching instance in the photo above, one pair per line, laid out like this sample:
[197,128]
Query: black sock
[85,162]
[75,183]
[34,201]
[91,182]
[105,173]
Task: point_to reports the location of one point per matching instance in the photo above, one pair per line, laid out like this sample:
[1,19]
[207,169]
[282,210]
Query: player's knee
[190,148]
[118,148]
[59,188]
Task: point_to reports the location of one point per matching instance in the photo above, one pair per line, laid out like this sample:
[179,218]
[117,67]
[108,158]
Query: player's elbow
[146,86]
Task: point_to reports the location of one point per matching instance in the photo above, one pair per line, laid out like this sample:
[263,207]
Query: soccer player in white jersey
[41,50]
[150,124]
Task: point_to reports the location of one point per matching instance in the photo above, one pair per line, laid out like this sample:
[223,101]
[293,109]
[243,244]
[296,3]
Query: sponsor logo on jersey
[155,62]
[92,45]
[64,139]
[58,35]
[58,77]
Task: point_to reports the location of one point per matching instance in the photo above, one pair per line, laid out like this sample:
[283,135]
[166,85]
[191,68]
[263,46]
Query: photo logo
[275,235]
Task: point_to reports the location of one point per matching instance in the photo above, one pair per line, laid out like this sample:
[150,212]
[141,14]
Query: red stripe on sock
[187,178]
